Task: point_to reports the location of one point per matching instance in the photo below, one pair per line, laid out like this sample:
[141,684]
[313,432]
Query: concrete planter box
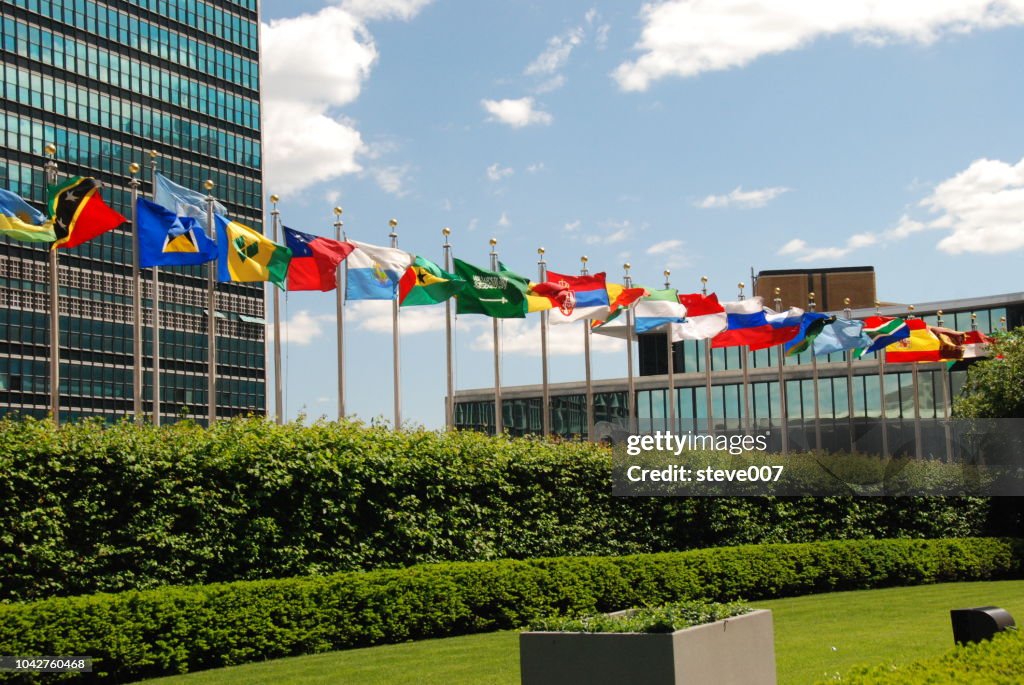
[739,650]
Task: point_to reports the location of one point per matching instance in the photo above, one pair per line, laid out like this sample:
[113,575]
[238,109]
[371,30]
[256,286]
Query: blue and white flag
[841,334]
[182,201]
[373,272]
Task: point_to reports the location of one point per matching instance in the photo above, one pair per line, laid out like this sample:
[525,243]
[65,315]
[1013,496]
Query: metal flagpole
[275,222]
[745,365]
[133,168]
[340,315]
[783,402]
[630,380]
[545,402]
[671,368]
[395,351]
[848,313]
[51,180]
[706,342]
[498,416]
[946,399]
[211,318]
[881,392]
[918,447]
[814,375]
[155,311]
[586,363]
[449,405]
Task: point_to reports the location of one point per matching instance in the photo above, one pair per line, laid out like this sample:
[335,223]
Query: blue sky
[703,137]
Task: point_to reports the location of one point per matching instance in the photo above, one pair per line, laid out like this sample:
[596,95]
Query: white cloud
[905,227]
[982,207]
[615,232]
[601,37]
[371,10]
[374,316]
[332,196]
[743,199]
[802,252]
[302,328]
[312,65]
[664,246]
[392,179]
[670,252]
[535,168]
[496,172]
[522,337]
[503,220]
[556,55]
[572,226]
[688,37]
[550,85]
[516,113]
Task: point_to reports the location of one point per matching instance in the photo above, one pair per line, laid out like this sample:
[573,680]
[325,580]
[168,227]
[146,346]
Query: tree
[995,386]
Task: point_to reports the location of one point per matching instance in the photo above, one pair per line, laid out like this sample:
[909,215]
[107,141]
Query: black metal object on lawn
[979,623]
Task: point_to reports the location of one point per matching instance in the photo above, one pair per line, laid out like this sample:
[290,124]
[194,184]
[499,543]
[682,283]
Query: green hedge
[177,629]
[92,508]
[999,661]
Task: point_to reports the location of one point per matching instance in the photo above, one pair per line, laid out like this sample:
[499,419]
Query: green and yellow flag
[245,256]
[22,221]
[426,283]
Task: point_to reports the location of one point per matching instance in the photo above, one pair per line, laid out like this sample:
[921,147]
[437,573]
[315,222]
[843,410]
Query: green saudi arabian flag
[501,295]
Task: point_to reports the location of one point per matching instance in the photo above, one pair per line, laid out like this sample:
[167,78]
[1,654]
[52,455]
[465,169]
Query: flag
[543,296]
[21,221]
[426,283]
[976,344]
[500,294]
[752,325]
[182,201]
[244,255]
[883,331]
[79,213]
[951,343]
[586,297]
[315,260]
[811,324]
[655,309]
[168,240]
[373,272]
[839,335]
[620,297]
[920,345]
[705,318]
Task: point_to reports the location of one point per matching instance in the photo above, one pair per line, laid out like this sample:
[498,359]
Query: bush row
[999,661]
[177,629]
[110,508]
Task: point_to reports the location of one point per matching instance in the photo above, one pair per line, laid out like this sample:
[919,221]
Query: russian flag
[584,297]
[752,325]
[315,260]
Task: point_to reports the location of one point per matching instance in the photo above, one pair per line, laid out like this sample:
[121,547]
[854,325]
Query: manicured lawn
[815,637]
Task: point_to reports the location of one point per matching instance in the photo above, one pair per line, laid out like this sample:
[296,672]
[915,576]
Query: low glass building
[838,417]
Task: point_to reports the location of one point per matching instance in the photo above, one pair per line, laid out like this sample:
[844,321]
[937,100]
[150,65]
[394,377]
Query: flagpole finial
[274,199]
[974,321]
[584,259]
[910,308]
[703,279]
[208,184]
[626,266]
[493,241]
[540,251]
[446,231]
[1002,322]
[338,211]
[741,285]
[393,223]
[50,149]
[133,168]
[938,317]
[846,301]
[667,273]
[153,154]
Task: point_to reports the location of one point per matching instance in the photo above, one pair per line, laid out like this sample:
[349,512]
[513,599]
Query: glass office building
[837,417]
[107,82]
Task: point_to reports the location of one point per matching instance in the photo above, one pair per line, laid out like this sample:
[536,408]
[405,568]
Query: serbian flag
[920,346]
[705,318]
[315,260]
[584,297]
[976,344]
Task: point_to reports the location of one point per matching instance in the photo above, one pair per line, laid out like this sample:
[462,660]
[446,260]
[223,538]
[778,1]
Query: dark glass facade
[106,82]
[523,412]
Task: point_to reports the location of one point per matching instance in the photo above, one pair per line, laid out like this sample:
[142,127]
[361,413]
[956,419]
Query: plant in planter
[687,643]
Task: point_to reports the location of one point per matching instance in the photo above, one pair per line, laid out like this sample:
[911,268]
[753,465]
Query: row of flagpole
[138,371]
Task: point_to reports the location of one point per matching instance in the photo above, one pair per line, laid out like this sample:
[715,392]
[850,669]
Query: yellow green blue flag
[245,255]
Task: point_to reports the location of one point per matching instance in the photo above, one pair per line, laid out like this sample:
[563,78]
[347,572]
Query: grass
[815,637]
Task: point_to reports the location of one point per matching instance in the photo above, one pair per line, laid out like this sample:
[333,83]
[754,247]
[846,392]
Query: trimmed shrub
[92,508]
[135,635]
[999,661]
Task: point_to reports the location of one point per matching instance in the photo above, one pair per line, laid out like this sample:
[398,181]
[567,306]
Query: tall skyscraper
[107,82]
